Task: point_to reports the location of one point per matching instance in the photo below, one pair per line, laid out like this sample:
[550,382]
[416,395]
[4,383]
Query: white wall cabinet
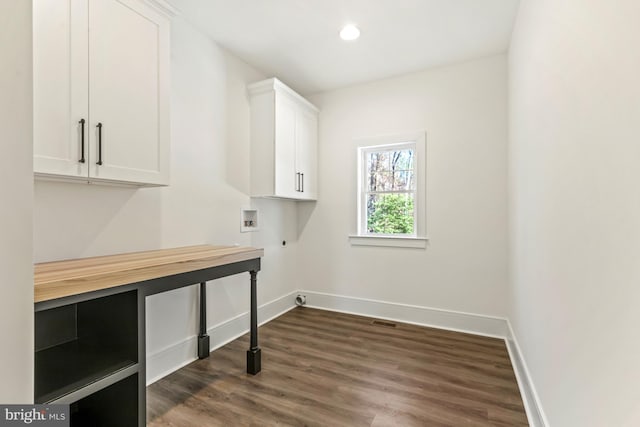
[101,91]
[284,141]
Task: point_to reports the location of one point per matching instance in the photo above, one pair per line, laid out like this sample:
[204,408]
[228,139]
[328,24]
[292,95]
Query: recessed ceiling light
[349,32]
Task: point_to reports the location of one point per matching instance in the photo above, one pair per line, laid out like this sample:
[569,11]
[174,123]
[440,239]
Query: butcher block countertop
[60,279]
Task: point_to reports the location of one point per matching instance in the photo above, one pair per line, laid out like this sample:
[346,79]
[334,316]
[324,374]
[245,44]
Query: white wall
[463,110]
[16,201]
[209,185]
[575,207]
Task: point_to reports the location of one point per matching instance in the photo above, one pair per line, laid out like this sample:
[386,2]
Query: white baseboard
[532,405]
[173,357]
[477,324]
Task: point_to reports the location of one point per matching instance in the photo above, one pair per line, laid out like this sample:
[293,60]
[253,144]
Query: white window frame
[418,238]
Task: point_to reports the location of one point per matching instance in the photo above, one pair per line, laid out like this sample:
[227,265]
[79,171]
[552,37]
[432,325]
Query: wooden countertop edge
[83,267]
[92,274]
[47,267]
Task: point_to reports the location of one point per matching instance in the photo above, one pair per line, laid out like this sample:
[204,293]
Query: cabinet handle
[302,185]
[82,121]
[297,181]
[99,162]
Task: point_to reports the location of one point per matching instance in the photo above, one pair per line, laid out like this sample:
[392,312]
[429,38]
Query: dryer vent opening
[301,300]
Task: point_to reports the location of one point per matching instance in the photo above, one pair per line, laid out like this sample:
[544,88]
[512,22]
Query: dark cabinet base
[80,344]
[114,406]
[90,347]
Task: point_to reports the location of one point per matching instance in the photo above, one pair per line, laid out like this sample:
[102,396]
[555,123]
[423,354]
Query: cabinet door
[128,87]
[60,88]
[285,148]
[306,153]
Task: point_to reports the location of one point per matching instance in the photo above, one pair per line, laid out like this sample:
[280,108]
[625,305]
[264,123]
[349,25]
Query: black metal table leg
[203,338]
[254,353]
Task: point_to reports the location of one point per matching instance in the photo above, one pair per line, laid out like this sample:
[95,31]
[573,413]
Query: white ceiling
[298,42]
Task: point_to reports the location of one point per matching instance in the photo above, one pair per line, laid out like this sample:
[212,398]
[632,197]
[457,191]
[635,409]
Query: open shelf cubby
[116,405]
[82,343]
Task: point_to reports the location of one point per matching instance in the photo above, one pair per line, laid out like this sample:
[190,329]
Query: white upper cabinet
[285,149]
[60,87]
[307,153]
[284,140]
[101,91]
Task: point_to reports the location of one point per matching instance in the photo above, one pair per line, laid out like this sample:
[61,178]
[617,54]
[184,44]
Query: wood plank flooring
[322,368]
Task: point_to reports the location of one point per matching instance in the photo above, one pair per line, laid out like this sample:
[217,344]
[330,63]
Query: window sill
[389,241]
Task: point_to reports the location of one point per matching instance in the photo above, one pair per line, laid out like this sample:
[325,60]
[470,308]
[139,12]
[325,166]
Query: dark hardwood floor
[322,368]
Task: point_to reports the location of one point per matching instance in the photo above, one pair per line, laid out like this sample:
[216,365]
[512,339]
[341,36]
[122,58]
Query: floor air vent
[383,323]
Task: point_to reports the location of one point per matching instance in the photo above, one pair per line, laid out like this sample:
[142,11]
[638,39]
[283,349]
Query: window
[388,190]
[391,192]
